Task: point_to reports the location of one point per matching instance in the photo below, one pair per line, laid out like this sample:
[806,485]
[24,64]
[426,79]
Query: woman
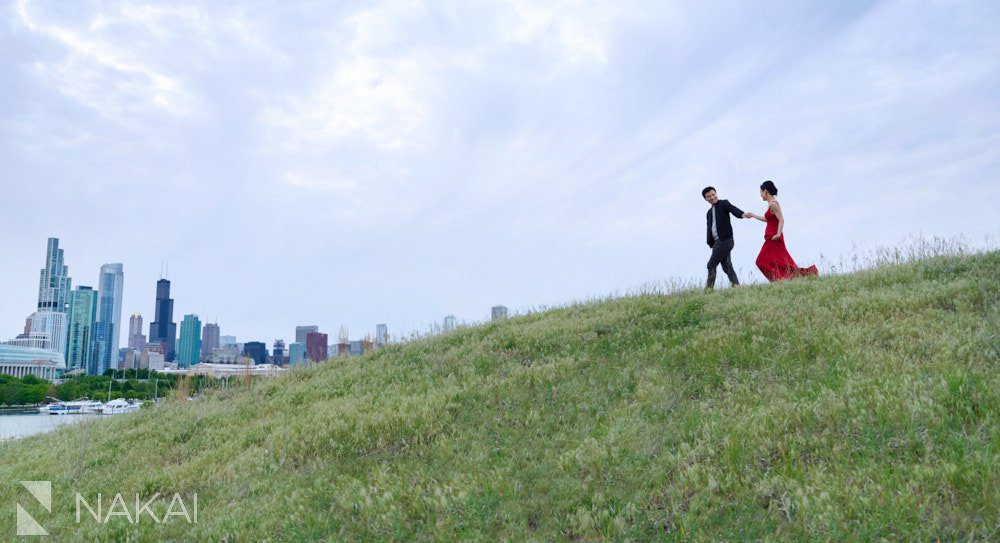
[774,261]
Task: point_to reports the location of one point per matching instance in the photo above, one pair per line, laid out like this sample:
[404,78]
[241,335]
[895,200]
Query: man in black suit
[720,236]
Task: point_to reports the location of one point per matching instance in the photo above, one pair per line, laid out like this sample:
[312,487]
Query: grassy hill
[851,407]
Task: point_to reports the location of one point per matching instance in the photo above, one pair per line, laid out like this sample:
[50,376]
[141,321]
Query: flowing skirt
[776,264]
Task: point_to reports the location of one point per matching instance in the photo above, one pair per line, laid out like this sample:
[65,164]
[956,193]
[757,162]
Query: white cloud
[116,79]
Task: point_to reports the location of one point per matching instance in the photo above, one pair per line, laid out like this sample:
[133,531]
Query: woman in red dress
[774,261]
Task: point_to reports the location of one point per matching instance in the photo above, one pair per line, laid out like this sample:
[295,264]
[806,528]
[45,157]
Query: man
[720,236]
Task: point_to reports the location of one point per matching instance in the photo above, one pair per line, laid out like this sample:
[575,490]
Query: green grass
[855,407]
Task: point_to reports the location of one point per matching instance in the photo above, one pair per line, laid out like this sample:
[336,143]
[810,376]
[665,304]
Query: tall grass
[858,406]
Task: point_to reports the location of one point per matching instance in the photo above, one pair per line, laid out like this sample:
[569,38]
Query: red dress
[774,261]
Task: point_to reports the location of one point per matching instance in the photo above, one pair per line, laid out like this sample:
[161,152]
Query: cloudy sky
[363,162]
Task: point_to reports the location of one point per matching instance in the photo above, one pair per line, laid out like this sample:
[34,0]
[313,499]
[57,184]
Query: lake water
[25,424]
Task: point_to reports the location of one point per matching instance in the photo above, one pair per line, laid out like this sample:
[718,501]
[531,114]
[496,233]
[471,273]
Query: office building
[255,350]
[132,360]
[381,335]
[302,331]
[227,340]
[80,333]
[316,346]
[189,353]
[54,283]
[278,353]
[356,348]
[163,330]
[209,339]
[449,323]
[107,327]
[55,325]
[136,339]
[297,354]
[499,312]
[227,354]
[151,360]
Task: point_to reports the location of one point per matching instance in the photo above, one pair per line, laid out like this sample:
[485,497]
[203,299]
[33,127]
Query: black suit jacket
[722,210]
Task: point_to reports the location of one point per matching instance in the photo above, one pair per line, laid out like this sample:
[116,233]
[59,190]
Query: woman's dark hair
[769,187]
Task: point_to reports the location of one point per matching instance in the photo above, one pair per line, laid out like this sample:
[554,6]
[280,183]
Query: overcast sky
[361,162]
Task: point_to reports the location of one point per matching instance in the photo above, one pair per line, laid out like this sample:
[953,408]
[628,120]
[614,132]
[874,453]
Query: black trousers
[721,255]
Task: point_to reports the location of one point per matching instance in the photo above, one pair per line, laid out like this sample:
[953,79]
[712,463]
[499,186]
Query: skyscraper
[499,312]
[82,314]
[381,335]
[297,354]
[190,347]
[316,346]
[278,353]
[136,339]
[256,350]
[301,331]
[107,328]
[209,339]
[54,283]
[53,326]
[163,330]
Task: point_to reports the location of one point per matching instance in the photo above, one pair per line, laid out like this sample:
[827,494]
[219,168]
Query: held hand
[747,215]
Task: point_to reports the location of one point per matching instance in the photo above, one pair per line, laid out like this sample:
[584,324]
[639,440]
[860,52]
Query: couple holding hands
[773,261]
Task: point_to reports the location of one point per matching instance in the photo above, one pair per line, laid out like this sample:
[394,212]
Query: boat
[82,406]
[119,405]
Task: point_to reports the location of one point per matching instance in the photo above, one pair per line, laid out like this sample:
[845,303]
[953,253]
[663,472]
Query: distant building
[356,348]
[229,370]
[381,335]
[226,354]
[278,352]
[499,312]
[297,354]
[54,324]
[227,340]
[133,360]
[107,327]
[163,330]
[316,346]
[80,335]
[54,283]
[34,340]
[449,323]
[136,339]
[210,339]
[23,361]
[302,331]
[151,360]
[189,353]
[256,350]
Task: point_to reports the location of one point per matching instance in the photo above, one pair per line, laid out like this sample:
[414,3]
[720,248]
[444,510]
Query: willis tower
[163,330]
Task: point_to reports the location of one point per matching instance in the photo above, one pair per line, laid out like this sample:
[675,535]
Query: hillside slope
[852,407]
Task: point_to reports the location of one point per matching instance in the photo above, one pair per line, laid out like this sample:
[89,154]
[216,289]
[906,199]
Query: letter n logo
[42,491]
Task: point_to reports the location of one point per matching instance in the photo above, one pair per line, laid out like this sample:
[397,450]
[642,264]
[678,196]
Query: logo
[118,507]
[42,491]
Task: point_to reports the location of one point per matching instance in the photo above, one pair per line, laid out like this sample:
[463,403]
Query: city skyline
[87,333]
[440,159]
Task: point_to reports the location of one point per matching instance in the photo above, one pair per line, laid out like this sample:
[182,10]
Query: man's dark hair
[705,190]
